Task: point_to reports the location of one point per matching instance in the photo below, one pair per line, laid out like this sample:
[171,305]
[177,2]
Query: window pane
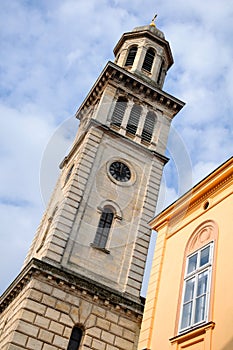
[186,315]
[200,309]
[192,263]
[205,254]
[202,283]
[103,229]
[189,290]
[75,339]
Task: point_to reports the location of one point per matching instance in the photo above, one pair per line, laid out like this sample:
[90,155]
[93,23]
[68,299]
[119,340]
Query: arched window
[198,268]
[148,127]
[69,174]
[104,226]
[133,121]
[131,56]
[149,59]
[119,111]
[75,338]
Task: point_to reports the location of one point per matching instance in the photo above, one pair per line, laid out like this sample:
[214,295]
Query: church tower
[80,284]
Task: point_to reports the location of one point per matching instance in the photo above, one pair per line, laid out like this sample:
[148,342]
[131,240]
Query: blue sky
[51,54]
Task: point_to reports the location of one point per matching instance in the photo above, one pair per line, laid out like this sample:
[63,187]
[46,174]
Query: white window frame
[194,275]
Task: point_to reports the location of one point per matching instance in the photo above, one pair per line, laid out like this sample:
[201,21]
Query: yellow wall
[162,306]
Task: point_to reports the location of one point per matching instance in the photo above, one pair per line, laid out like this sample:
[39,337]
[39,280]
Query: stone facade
[40,312]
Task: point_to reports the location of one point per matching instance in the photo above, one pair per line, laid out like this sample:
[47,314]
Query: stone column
[139,59]
[141,124]
[156,67]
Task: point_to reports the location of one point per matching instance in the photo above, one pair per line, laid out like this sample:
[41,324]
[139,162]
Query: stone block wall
[43,314]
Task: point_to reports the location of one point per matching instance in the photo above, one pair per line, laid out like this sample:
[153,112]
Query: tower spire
[153,21]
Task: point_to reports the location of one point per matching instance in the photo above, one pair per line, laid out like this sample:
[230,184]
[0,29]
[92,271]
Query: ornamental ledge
[74,282]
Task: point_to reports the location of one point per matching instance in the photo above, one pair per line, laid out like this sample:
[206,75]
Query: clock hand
[121,169]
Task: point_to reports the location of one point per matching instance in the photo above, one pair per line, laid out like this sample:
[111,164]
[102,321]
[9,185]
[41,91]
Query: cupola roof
[152,28]
[151,32]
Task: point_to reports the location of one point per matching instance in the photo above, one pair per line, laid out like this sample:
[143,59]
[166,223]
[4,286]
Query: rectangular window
[195,303]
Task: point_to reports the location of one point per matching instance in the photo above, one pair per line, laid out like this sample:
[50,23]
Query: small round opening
[206,205]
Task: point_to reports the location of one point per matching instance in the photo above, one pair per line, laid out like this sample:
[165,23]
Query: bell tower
[80,284]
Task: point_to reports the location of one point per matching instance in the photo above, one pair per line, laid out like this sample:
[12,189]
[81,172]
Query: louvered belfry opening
[148,127]
[75,338]
[131,56]
[133,121]
[149,59]
[160,72]
[104,226]
[119,111]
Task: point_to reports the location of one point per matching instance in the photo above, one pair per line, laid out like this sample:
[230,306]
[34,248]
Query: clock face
[120,171]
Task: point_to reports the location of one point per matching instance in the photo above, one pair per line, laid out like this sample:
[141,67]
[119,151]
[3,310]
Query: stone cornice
[72,280]
[117,75]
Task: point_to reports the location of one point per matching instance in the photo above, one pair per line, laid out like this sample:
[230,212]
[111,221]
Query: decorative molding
[74,281]
[204,233]
[118,75]
[191,334]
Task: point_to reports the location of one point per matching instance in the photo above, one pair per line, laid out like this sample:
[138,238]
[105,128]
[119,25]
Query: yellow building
[190,303]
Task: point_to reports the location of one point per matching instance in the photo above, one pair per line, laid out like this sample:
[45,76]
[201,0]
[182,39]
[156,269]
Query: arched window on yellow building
[197,286]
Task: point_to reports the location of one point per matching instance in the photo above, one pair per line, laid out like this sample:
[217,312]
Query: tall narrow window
[133,121]
[119,111]
[104,226]
[149,59]
[148,127]
[131,56]
[196,292]
[75,338]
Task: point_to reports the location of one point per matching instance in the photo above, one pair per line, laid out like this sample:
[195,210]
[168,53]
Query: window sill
[104,250]
[192,333]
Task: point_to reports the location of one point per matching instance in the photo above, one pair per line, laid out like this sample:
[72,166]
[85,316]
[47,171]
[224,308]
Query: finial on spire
[153,21]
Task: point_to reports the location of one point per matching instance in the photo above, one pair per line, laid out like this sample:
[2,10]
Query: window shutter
[119,111]
[148,61]
[131,56]
[133,121]
[148,128]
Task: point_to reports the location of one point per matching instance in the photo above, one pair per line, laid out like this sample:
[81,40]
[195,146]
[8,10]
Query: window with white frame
[197,281]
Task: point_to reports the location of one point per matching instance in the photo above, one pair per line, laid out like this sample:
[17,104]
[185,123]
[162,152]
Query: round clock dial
[120,171]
